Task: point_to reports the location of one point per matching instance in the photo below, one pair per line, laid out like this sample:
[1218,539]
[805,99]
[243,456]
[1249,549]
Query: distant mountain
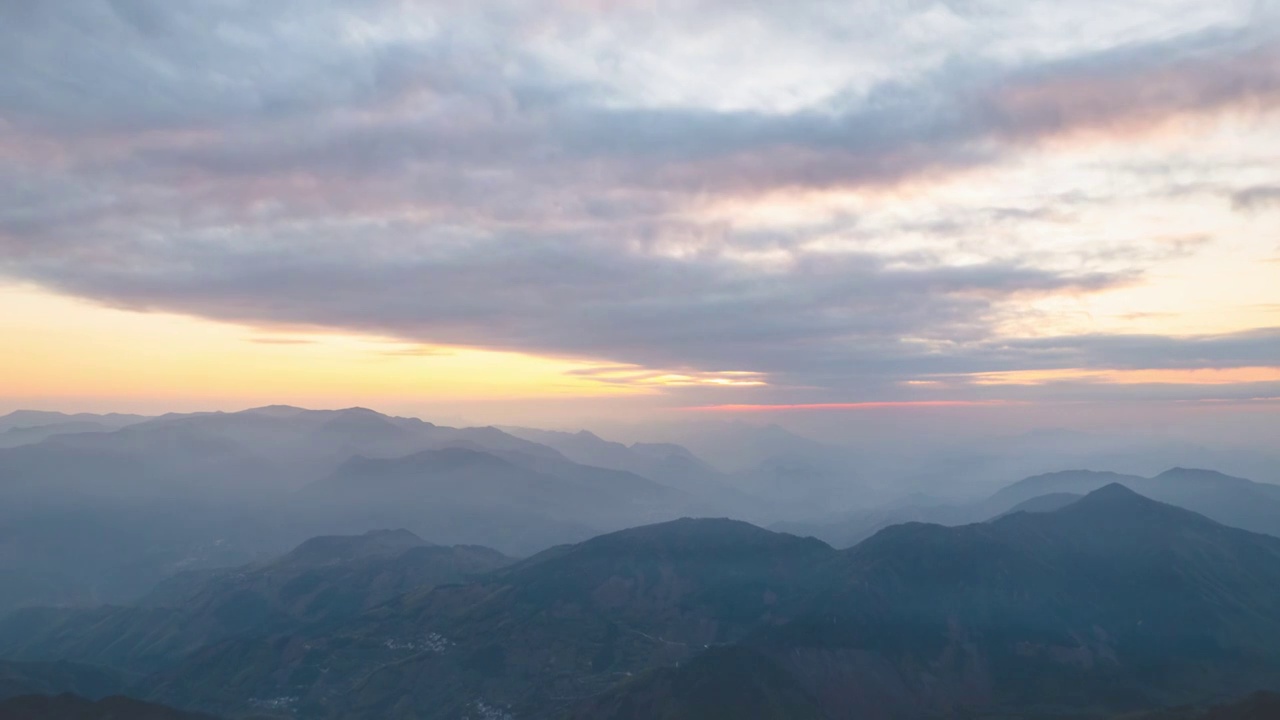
[565,624]
[324,579]
[27,419]
[1229,500]
[789,475]
[101,517]
[54,678]
[1112,603]
[28,427]
[263,449]
[31,435]
[1068,481]
[517,502]
[666,463]
[72,707]
[853,527]
[735,446]
[1043,503]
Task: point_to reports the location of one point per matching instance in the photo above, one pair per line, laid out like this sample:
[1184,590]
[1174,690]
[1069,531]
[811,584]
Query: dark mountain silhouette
[73,707]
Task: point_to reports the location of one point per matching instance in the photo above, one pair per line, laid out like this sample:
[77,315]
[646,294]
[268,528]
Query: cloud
[452,175]
[1256,198]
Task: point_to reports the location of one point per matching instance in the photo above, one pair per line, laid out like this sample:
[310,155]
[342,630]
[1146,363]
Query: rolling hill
[324,579]
[569,622]
[1114,602]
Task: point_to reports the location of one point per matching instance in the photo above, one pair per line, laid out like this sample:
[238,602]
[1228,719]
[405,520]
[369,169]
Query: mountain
[271,448]
[789,476]
[1043,503]
[101,517]
[324,579]
[331,550]
[1068,481]
[1229,500]
[29,419]
[735,446]
[328,576]
[1110,604]
[853,527]
[537,636]
[1232,501]
[73,707]
[517,502]
[1113,603]
[17,436]
[52,678]
[724,683]
[666,463]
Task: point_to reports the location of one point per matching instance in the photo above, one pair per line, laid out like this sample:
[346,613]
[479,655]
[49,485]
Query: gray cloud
[297,162]
[1256,198]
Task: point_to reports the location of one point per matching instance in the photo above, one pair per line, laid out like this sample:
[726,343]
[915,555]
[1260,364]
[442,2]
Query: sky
[615,209]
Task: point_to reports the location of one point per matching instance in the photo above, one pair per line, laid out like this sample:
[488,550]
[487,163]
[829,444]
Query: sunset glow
[594,201]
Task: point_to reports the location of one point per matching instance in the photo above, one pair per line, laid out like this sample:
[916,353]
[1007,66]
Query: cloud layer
[507,177]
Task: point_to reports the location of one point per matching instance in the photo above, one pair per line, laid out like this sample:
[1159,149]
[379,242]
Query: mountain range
[322,580]
[1230,500]
[1111,604]
[91,517]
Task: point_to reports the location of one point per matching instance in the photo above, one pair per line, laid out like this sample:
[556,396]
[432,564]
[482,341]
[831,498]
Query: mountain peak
[274,411]
[1118,502]
[1114,492]
[328,549]
[689,533]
